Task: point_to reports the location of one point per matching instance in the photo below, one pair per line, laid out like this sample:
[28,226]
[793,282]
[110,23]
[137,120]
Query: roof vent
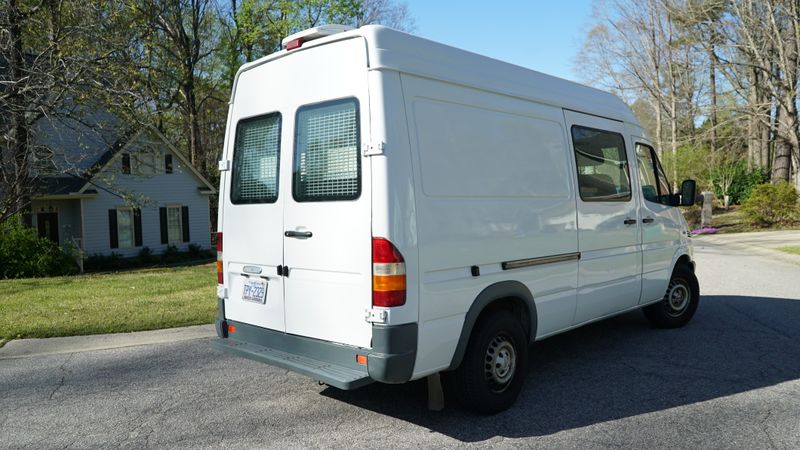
[296,40]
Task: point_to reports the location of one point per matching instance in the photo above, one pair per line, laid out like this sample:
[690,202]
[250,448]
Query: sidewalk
[765,243]
[20,348]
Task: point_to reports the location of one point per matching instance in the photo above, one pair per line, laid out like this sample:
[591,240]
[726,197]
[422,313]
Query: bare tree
[635,50]
[390,13]
[46,56]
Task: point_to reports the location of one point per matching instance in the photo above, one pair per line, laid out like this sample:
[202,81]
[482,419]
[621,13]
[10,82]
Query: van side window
[255,160]
[602,165]
[327,165]
[655,187]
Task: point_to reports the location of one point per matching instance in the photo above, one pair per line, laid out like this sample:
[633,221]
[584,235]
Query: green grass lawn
[144,299]
[795,250]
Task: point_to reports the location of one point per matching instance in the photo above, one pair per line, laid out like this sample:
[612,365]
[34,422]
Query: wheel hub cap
[500,363]
[677,297]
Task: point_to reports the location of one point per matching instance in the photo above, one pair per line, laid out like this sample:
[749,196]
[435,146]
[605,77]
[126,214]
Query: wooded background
[713,81]
[165,63]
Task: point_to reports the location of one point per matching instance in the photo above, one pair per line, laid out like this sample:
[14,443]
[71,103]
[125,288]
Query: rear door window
[327,165]
[255,160]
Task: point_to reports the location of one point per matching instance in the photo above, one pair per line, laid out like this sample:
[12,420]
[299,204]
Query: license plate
[255,290]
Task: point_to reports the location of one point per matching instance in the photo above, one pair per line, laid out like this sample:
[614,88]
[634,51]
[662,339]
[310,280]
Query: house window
[125,228]
[126,163]
[174,224]
[167,163]
[145,163]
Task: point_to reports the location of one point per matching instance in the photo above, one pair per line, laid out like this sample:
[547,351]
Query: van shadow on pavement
[620,368]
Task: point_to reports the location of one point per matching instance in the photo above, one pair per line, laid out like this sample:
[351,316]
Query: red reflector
[219,241]
[231,328]
[388,299]
[384,252]
[361,359]
[291,45]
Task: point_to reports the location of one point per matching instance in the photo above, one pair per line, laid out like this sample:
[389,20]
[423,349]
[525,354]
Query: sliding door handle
[629,221]
[298,234]
[648,220]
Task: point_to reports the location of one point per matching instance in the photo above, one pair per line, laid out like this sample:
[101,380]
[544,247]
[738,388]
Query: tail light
[220,278]
[388,274]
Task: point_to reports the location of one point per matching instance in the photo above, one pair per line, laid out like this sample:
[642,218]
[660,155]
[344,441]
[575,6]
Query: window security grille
[327,157]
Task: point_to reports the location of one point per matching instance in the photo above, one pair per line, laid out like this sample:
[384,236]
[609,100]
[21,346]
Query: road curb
[22,348]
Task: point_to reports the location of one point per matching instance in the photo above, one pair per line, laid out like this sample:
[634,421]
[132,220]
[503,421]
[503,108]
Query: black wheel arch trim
[492,293]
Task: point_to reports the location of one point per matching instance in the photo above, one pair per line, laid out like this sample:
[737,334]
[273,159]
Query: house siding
[152,191]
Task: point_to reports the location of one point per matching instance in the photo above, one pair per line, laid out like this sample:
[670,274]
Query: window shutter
[185,222]
[162,212]
[137,227]
[112,228]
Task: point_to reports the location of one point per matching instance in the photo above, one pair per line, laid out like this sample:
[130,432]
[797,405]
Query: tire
[680,302]
[494,367]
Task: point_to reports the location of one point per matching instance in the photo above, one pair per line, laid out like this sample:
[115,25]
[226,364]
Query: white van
[392,208]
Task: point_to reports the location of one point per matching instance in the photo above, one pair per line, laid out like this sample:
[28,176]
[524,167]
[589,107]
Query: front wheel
[491,375]
[680,302]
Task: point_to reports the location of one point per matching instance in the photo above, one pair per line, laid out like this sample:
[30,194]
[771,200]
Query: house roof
[83,140]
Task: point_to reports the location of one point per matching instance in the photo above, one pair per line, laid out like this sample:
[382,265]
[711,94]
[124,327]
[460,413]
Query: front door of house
[48,226]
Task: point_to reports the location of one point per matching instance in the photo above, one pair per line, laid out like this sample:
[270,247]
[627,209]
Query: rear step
[286,351]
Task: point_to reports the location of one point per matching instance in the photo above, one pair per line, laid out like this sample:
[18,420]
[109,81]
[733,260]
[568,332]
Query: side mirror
[688,193]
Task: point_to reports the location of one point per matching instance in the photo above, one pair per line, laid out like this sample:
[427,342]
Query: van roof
[389,49]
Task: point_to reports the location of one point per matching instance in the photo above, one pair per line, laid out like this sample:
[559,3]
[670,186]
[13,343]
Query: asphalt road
[730,379]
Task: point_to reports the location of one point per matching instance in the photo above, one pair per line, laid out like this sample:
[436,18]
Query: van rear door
[252,223]
[327,245]
[327,206]
[316,228]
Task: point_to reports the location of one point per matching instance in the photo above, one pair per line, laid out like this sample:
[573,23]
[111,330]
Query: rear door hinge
[224,165]
[373,149]
[377,315]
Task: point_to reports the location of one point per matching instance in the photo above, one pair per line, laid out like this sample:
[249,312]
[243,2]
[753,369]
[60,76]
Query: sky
[543,35]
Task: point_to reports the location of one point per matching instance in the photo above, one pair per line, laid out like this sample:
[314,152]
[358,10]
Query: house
[107,190]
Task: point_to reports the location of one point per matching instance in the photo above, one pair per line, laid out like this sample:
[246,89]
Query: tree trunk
[20,174]
[712,82]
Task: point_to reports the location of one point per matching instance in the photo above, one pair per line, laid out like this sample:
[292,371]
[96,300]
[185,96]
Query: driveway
[730,379]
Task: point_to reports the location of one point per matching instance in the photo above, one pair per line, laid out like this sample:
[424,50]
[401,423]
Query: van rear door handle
[629,221]
[298,234]
[648,220]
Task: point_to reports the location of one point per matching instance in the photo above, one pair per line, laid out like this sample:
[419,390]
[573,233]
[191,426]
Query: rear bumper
[390,360]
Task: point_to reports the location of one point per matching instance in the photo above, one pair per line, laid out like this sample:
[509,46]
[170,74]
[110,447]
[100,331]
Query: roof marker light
[293,44]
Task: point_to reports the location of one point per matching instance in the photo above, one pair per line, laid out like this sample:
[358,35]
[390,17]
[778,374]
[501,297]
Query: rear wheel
[680,302]
[491,375]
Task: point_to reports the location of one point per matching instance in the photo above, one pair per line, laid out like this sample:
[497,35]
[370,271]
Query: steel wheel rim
[500,363]
[677,297]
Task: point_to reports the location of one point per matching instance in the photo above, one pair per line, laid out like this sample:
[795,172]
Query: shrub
[24,254]
[770,204]
[145,254]
[170,254]
[744,184]
[740,179]
[195,250]
[97,262]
